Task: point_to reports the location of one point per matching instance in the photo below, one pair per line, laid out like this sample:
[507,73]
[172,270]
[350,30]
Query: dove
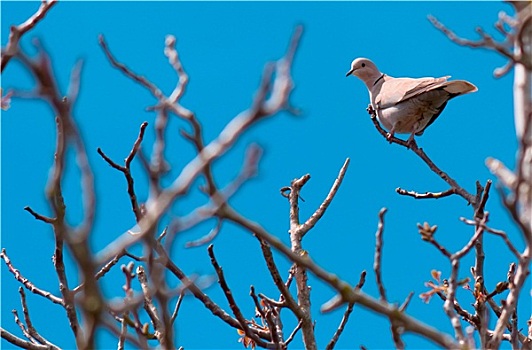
[407,105]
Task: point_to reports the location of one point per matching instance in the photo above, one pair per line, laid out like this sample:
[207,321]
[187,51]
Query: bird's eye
[363,64]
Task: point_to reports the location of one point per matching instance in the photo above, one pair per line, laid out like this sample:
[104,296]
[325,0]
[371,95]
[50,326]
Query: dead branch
[27,283]
[378,255]
[347,313]
[272,97]
[455,187]
[16,32]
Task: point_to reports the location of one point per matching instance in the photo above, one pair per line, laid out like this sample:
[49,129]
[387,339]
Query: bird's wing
[396,90]
[425,85]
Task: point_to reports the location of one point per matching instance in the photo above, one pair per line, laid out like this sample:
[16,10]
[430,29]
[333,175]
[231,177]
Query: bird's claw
[411,141]
[389,137]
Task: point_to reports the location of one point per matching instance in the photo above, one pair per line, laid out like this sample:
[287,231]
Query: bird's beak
[350,72]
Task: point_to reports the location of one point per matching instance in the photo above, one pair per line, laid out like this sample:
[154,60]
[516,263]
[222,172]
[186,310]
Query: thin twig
[405,303]
[292,335]
[16,32]
[426,195]
[291,303]
[267,103]
[421,154]
[177,307]
[345,318]
[487,42]
[38,216]
[314,218]
[207,238]
[124,69]
[126,170]
[346,292]
[21,343]
[27,283]
[378,255]
[232,303]
[496,232]
[198,293]
[149,306]
[31,330]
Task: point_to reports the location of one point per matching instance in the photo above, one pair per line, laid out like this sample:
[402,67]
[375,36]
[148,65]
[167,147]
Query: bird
[406,105]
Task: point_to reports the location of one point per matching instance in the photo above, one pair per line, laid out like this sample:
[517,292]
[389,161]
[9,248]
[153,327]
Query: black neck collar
[376,81]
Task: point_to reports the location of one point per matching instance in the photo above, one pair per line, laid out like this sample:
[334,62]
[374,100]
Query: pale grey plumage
[407,105]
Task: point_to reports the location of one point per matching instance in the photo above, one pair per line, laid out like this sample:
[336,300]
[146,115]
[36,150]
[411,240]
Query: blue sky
[223,47]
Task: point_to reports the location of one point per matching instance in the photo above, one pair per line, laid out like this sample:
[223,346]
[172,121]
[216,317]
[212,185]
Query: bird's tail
[459,87]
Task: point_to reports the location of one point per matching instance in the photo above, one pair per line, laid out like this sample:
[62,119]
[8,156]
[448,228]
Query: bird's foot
[411,141]
[390,136]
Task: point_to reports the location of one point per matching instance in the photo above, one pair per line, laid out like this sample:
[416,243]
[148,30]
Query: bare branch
[122,337]
[314,218]
[378,254]
[150,308]
[24,344]
[128,72]
[38,216]
[22,327]
[29,285]
[499,233]
[345,318]
[214,308]
[16,32]
[207,238]
[232,303]
[346,292]
[279,283]
[267,103]
[405,303]
[426,195]
[173,59]
[126,170]
[292,335]
[486,42]
[421,154]
[31,330]
[177,306]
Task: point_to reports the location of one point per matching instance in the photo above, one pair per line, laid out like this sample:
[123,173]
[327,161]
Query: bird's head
[365,70]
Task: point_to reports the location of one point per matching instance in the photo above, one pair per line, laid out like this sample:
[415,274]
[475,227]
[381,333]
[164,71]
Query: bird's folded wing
[425,85]
[395,90]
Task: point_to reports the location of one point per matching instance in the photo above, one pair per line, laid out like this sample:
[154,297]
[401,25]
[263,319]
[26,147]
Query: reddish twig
[197,292]
[128,72]
[38,216]
[230,299]
[126,170]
